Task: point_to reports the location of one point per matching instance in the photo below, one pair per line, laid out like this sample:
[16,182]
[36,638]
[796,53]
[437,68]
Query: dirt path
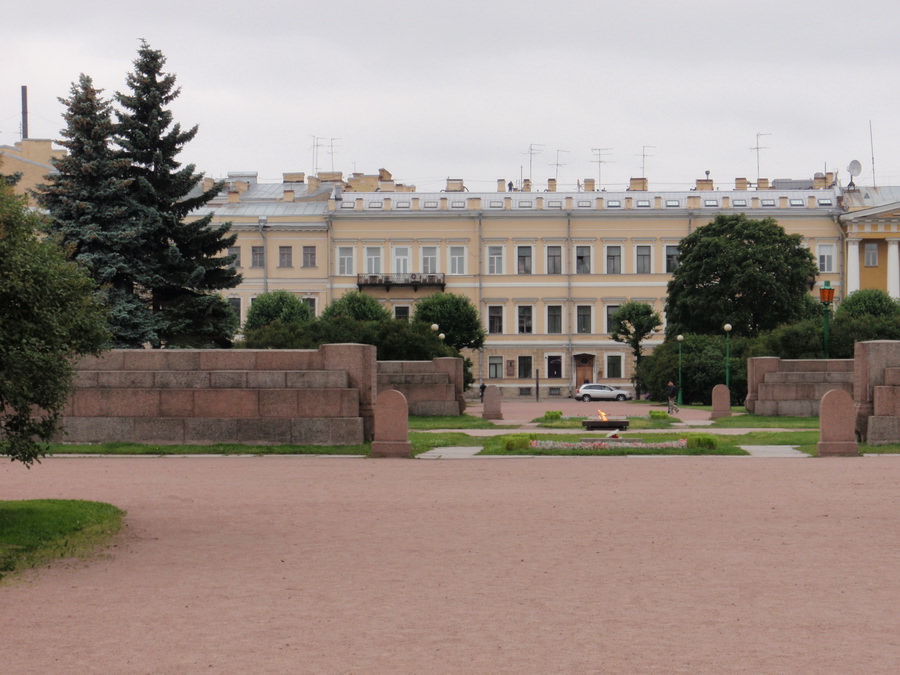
[541,565]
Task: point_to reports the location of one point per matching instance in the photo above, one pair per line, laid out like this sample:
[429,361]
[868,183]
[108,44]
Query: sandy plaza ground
[483,565]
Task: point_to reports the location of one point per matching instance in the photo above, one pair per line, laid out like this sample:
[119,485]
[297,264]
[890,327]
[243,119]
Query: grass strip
[34,532]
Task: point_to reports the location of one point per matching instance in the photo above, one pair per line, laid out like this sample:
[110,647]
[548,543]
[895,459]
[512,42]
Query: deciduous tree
[749,273]
[49,316]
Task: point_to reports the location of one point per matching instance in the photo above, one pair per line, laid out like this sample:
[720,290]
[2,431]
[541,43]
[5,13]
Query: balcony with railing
[414,280]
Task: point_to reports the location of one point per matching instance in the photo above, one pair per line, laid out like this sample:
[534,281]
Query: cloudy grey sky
[463,88]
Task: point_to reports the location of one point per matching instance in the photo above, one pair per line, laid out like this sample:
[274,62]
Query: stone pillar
[893,268]
[391,426]
[852,266]
[492,403]
[757,369]
[362,370]
[837,435]
[721,402]
[453,366]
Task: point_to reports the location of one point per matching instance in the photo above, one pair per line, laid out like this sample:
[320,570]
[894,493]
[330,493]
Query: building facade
[546,269]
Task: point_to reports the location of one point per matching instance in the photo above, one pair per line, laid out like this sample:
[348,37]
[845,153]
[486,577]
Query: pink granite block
[97,429]
[266,379]
[288,359]
[158,430]
[391,426]
[892,377]
[278,403]
[125,378]
[228,359]
[228,379]
[837,422]
[226,403]
[176,403]
[721,402]
[264,430]
[116,403]
[181,379]
[111,360]
[210,430]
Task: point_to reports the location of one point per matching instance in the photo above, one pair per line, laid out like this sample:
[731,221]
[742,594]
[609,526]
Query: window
[236,252]
[524,367]
[554,260]
[643,203]
[739,202]
[495,319]
[768,202]
[710,202]
[583,319]
[429,259]
[610,312]
[582,259]
[614,366]
[457,260]
[554,318]
[235,304]
[871,254]
[401,260]
[257,257]
[345,260]
[614,260]
[671,258]
[285,256]
[495,367]
[826,257]
[523,255]
[309,256]
[642,259]
[402,312]
[311,303]
[495,260]
[554,367]
[373,260]
[525,325]
[671,203]
[613,204]
[796,202]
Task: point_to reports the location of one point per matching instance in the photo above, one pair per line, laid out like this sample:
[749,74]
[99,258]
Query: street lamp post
[727,329]
[826,297]
[680,339]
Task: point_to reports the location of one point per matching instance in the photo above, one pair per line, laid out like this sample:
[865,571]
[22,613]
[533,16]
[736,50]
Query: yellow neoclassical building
[31,157]
[546,269]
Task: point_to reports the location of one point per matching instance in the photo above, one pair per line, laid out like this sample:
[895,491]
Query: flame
[602,415]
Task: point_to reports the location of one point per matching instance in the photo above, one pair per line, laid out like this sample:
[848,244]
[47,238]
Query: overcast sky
[464,88]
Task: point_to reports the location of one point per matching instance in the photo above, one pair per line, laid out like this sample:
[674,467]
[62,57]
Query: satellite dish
[854,168]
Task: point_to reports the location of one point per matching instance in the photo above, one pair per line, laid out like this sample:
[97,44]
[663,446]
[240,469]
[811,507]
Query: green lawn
[34,532]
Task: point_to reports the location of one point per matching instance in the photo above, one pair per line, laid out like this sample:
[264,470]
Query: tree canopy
[633,323]
[457,318]
[749,273]
[49,316]
[358,306]
[277,305]
[868,302]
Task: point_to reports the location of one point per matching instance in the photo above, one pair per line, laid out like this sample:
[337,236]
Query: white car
[601,392]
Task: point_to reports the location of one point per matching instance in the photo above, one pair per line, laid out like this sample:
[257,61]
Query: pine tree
[187,268]
[93,215]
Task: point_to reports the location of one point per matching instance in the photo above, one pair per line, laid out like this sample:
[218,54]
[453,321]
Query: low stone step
[211,379]
[808,377]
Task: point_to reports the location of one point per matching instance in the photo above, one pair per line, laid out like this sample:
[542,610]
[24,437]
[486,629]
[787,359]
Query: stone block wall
[794,387]
[431,387]
[324,396]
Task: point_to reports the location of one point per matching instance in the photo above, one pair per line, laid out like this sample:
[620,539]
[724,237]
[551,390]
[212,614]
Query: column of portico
[893,268]
[852,266]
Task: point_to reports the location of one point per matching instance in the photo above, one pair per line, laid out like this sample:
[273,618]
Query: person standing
[671,394]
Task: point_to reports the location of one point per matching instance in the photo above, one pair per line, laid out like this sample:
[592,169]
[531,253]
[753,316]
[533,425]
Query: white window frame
[606,258]
[371,258]
[495,260]
[519,330]
[345,256]
[825,257]
[530,258]
[430,254]
[456,257]
[590,255]
[637,247]
[402,256]
[562,268]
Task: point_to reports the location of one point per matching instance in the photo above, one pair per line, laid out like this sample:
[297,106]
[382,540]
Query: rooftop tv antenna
[600,162]
[872,146]
[644,157]
[759,147]
[854,169]
[557,164]
[533,149]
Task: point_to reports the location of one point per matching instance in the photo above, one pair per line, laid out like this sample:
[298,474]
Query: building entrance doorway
[584,369]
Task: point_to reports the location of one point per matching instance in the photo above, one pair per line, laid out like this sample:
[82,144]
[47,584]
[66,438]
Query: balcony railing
[414,280]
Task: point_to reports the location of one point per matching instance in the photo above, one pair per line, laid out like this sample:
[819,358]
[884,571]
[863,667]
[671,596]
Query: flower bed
[607,445]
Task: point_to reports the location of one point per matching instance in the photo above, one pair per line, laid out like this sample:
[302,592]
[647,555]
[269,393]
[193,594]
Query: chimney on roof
[705,184]
[293,177]
[501,185]
[551,185]
[288,195]
[589,185]
[639,185]
[741,184]
[762,184]
[526,185]
[455,185]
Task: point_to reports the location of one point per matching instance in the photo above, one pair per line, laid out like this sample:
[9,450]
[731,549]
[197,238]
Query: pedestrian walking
[671,394]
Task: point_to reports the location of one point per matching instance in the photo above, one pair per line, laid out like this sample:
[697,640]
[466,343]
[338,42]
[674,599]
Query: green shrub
[552,416]
[658,415]
[704,442]
[518,442]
